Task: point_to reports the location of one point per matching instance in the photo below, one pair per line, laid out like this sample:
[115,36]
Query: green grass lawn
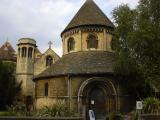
[6,113]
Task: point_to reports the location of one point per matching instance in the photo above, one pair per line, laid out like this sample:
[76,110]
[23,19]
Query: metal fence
[41,118]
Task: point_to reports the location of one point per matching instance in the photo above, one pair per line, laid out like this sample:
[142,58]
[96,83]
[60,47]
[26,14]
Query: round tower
[25,65]
[89,30]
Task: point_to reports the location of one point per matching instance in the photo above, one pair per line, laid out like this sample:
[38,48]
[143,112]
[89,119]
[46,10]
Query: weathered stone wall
[40,64]
[57,87]
[25,66]
[80,37]
[28,67]
[57,90]
[62,88]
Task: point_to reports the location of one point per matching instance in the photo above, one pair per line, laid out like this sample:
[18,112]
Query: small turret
[25,65]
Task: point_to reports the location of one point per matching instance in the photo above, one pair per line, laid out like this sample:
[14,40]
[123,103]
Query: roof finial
[50,44]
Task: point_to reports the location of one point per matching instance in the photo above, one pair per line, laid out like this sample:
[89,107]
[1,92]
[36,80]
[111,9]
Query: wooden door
[97,102]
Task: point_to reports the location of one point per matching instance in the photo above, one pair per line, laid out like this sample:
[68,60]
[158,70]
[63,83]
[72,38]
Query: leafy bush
[57,110]
[115,116]
[18,110]
[151,105]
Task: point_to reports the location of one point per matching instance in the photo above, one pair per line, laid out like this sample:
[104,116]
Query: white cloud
[43,20]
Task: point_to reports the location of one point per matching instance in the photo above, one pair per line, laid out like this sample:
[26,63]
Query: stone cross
[50,44]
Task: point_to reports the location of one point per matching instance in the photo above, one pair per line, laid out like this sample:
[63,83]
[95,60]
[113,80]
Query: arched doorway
[99,95]
[97,101]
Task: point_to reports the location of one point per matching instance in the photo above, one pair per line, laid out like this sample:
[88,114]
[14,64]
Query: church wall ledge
[41,118]
[74,97]
[86,27]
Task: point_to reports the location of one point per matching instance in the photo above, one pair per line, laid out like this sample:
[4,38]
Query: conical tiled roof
[7,52]
[89,14]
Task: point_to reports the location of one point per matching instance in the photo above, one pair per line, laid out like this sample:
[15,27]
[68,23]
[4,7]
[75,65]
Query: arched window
[113,44]
[71,44]
[92,41]
[30,50]
[46,89]
[29,102]
[19,50]
[49,61]
[24,51]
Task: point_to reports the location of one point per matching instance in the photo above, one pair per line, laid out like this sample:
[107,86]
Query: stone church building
[30,62]
[83,77]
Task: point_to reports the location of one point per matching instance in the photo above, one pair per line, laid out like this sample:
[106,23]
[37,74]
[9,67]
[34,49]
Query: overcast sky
[44,20]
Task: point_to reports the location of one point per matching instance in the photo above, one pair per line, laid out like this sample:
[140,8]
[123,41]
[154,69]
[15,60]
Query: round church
[83,77]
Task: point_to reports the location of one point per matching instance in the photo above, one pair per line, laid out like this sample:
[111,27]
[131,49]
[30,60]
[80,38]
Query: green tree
[124,22]
[126,68]
[137,44]
[9,88]
[146,40]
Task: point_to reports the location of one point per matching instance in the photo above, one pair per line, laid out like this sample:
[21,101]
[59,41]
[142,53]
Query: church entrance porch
[99,95]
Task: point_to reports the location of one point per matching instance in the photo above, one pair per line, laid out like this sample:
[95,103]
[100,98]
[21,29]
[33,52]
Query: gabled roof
[52,52]
[49,51]
[7,46]
[79,63]
[89,14]
[7,52]
[38,54]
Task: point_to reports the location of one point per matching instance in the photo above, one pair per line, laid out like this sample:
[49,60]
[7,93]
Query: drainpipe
[118,99]
[69,90]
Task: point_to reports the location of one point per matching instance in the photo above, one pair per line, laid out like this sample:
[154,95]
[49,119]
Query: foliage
[137,44]
[8,86]
[57,110]
[115,116]
[18,110]
[6,113]
[151,105]
[146,39]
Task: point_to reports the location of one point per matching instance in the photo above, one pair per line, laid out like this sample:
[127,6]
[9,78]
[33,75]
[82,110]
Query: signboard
[139,105]
[92,102]
[91,115]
